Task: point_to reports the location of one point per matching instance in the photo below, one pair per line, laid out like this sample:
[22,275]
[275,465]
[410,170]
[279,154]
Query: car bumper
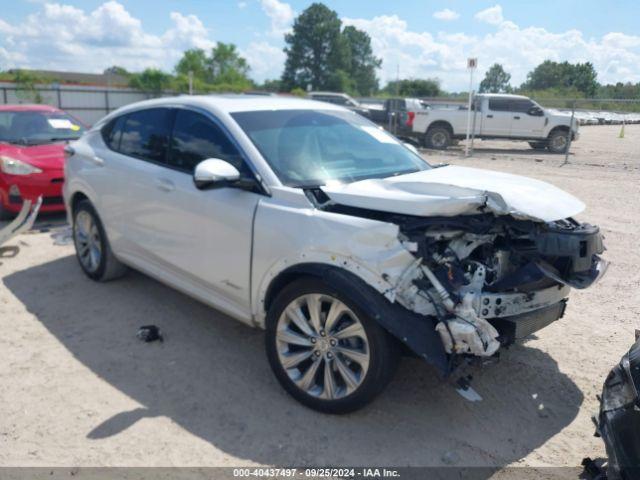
[15,189]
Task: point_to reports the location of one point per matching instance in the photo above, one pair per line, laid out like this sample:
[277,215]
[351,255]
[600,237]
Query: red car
[32,141]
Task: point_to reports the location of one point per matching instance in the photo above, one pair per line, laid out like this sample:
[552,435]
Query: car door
[201,237]
[524,123]
[497,118]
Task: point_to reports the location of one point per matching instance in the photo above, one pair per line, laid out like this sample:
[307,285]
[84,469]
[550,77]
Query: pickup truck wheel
[92,247]
[538,145]
[324,351]
[438,138]
[558,142]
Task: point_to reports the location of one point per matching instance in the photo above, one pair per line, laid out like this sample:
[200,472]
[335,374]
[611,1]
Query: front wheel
[558,141]
[325,352]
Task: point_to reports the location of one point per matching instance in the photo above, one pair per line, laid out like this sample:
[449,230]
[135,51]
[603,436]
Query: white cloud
[242,5]
[446,15]
[616,56]
[281,15]
[266,60]
[491,15]
[63,37]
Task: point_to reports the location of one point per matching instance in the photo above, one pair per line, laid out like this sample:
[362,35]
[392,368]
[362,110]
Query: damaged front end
[493,280]
[618,422]
[488,280]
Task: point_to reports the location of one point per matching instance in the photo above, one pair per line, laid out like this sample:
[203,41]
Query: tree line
[323,54]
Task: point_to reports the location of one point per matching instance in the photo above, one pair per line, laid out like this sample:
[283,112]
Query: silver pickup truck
[496,116]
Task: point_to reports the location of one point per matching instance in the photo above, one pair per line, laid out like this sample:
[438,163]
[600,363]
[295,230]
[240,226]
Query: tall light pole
[472,64]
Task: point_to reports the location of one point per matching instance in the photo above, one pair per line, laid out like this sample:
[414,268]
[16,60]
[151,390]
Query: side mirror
[214,173]
[536,112]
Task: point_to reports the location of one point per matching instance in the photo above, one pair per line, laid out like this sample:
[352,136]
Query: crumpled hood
[454,190]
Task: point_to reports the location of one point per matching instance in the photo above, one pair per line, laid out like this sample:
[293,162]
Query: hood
[453,190]
[45,157]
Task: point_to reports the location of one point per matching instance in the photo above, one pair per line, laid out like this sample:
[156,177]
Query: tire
[538,145]
[557,142]
[438,138]
[373,355]
[92,246]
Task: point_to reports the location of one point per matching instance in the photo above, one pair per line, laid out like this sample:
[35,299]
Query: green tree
[363,64]
[563,75]
[496,80]
[227,66]
[274,85]
[429,87]
[315,49]
[196,61]
[117,70]
[151,80]
[26,86]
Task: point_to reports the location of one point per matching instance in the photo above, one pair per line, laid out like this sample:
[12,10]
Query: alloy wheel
[322,346]
[88,242]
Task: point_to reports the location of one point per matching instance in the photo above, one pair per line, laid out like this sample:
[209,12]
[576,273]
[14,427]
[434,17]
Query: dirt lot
[79,389]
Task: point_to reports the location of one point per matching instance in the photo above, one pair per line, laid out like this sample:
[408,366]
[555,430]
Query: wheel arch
[76,198]
[415,332]
[558,128]
[442,124]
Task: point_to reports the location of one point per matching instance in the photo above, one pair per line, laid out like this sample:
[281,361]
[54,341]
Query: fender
[415,331]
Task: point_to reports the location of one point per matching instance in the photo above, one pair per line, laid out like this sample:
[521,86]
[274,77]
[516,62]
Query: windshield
[36,128]
[308,148]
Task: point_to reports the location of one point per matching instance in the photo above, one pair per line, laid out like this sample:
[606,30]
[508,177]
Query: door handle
[97,160]
[165,185]
[516,118]
[489,116]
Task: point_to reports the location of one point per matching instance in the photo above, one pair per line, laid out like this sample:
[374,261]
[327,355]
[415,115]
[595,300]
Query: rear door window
[499,104]
[145,134]
[196,138]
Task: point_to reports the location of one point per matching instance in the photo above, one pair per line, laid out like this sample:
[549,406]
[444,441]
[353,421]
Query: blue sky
[421,38]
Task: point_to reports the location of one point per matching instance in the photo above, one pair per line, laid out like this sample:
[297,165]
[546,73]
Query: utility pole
[472,64]
[190,75]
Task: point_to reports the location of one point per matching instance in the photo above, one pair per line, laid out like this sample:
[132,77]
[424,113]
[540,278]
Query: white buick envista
[308,220]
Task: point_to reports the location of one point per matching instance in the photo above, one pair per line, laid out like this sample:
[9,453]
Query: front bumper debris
[618,422]
[23,222]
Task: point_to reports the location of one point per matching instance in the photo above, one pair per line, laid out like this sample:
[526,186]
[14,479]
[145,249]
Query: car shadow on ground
[211,377]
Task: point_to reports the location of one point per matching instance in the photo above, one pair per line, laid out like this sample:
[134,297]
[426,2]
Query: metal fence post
[570,134]
[59,95]
[106,101]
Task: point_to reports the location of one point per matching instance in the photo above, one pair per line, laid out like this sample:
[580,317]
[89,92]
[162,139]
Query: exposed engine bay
[493,280]
[488,279]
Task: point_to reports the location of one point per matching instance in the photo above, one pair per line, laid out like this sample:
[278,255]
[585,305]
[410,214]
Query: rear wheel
[558,141]
[326,352]
[92,247]
[438,138]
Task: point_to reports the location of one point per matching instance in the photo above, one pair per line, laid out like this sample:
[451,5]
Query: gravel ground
[79,389]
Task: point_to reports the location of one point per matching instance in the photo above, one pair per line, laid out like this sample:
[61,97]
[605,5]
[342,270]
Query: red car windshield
[37,128]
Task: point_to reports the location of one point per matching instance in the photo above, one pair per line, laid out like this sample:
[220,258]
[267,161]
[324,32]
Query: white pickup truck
[497,116]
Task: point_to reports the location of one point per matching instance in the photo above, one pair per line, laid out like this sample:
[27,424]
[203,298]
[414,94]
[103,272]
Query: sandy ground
[77,388]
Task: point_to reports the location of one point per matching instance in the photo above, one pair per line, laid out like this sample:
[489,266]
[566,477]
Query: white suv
[307,220]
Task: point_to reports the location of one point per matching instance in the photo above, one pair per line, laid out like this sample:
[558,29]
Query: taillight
[410,117]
